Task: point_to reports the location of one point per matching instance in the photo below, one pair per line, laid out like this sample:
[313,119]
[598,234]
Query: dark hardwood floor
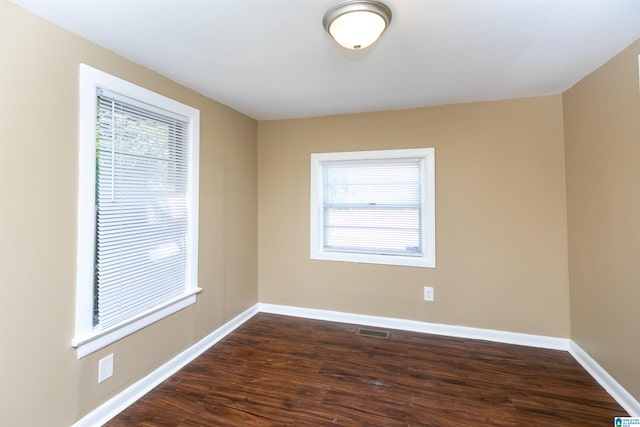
[277,370]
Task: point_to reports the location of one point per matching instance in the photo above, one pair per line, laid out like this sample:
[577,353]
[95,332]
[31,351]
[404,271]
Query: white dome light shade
[357,30]
[357,24]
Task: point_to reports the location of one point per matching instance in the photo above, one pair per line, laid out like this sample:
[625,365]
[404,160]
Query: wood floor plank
[279,371]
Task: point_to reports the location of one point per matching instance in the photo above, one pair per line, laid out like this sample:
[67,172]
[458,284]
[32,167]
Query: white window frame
[87,338]
[428,242]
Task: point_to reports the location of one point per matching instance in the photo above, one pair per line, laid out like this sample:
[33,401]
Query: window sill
[407,261]
[98,339]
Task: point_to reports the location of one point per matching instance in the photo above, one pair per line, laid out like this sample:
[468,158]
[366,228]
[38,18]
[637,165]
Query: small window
[374,207]
[138,216]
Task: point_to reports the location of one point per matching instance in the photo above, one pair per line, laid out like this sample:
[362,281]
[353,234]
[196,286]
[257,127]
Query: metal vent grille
[372,333]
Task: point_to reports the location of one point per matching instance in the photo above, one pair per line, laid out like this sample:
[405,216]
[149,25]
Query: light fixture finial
[356,24]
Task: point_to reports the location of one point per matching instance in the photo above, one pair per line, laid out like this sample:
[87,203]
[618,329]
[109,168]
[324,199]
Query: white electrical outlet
[428,293]
[105,368]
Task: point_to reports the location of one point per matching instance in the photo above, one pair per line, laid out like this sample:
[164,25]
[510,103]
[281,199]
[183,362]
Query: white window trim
[87,339]
[316,221]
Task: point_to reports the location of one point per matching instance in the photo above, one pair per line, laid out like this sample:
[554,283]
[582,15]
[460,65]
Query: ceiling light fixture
[356,24]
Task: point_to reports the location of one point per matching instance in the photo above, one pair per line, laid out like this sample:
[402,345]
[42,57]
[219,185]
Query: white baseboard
[122,400]
[622,396]
[424,327]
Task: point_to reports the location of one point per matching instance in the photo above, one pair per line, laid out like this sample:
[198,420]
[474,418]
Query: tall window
[374,207]
[138,213]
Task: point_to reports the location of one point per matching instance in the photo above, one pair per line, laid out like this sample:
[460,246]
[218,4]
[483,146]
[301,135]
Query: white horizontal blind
[141,208]
[373,206]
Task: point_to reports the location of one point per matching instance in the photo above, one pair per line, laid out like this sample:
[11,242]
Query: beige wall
[500,217]
[602,143]
[41,381]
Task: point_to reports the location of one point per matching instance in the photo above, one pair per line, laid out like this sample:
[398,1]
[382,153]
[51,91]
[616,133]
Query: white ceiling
[272,59]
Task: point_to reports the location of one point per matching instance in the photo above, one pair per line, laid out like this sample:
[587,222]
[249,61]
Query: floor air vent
[372,333]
